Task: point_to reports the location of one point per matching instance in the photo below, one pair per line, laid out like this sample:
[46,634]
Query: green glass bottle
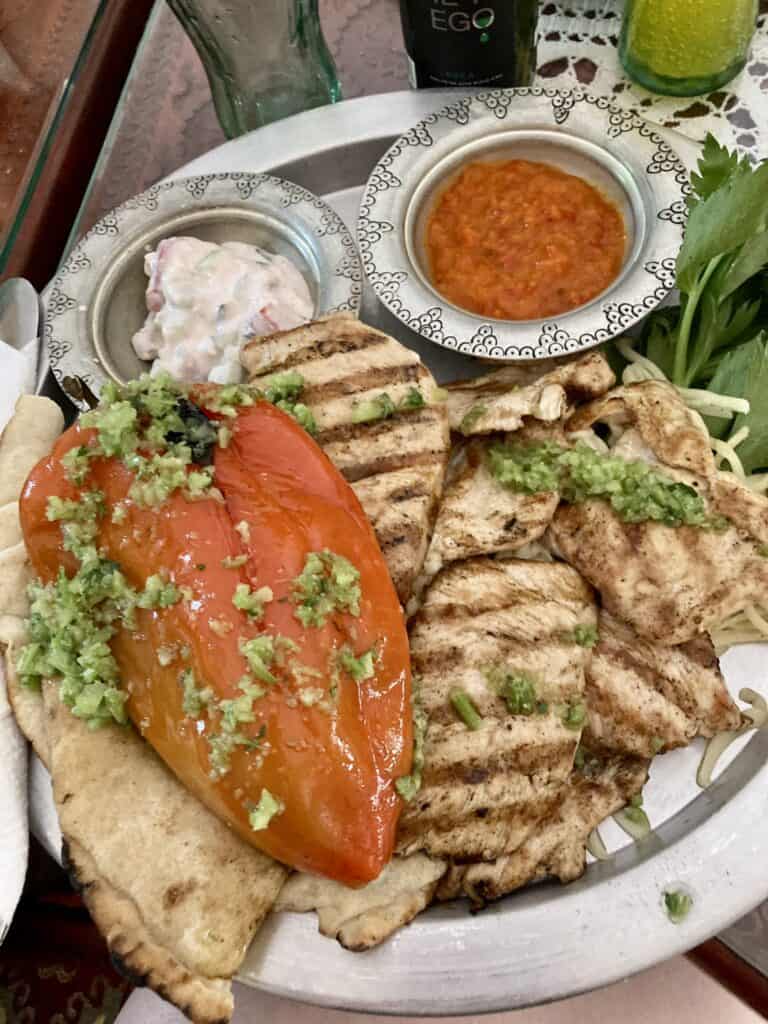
[686,47]
[469,43]
[265,59]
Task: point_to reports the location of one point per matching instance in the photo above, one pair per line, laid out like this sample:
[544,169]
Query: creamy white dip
[206,300]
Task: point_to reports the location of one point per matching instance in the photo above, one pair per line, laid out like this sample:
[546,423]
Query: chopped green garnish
[228,398]
[372,409]
[284,391]
[223,436]
[70,626]
[265,810]
[117,424]
[251,601]
[359,668]
[409,785]
[381,407]
[762,550]
[573,715]
[465,709]
[585,636]
[283,387]
[77,463]
[517,690]
[656,744]
[259,652]
[471,419]
[678,905]
[158,593]
[413,400]
[328,583]
[635,491]
[196,699]
[301,413]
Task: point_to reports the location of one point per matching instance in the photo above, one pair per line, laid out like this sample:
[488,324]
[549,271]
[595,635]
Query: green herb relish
[635,491]
[327,583]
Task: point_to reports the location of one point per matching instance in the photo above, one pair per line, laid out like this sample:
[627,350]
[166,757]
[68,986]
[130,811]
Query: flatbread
[177,896]
[363,918]
[28,436]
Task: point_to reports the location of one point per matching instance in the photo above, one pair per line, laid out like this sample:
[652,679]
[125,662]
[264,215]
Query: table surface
[166,118]
[37,69]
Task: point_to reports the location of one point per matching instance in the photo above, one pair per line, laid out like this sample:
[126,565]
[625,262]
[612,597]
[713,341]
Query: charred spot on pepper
[198,433]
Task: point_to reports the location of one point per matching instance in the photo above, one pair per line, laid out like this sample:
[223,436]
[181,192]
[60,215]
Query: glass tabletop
[43,47]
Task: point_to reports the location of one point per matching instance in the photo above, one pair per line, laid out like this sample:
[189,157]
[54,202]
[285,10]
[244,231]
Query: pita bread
[177,896]
[28,436]
[362,918]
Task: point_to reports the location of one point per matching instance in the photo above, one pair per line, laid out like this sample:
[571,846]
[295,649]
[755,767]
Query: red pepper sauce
[517,240]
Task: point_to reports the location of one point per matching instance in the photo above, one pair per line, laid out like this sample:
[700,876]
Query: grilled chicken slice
[557,846]
[500,400]
[362,918]
[395,465]
[668,583]
[477,516]
[484,791]
[645,698]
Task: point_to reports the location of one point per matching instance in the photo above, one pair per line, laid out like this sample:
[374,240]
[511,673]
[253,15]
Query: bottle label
[470,42]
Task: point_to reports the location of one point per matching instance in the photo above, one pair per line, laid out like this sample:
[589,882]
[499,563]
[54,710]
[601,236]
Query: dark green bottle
[468,43]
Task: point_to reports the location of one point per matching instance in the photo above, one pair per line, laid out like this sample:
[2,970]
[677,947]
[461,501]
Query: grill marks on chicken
[483,791]
[396,465]
[668,583]
[557,846]
[644,698]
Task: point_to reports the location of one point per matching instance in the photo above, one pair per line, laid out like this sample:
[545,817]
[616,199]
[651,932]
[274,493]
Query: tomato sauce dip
[518,240]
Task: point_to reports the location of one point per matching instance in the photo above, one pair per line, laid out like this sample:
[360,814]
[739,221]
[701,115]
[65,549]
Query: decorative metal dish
[96,302]
[548,941]
[582,134]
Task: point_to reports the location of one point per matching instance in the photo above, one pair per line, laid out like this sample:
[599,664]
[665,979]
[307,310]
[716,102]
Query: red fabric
[54,965]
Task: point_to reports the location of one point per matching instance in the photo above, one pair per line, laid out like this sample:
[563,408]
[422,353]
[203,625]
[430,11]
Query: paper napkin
[17,376]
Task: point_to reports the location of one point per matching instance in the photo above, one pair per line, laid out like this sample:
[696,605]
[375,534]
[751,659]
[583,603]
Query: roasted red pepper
[330,762]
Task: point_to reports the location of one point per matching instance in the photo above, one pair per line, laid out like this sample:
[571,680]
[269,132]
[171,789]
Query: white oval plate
[589,131]
[548,941]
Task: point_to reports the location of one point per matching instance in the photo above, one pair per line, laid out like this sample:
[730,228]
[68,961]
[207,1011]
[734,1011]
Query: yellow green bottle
[686,47]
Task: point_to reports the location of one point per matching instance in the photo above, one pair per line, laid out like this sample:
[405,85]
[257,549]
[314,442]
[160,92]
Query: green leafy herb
[635,491]
[743,373]
[714,339]
[464,707]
